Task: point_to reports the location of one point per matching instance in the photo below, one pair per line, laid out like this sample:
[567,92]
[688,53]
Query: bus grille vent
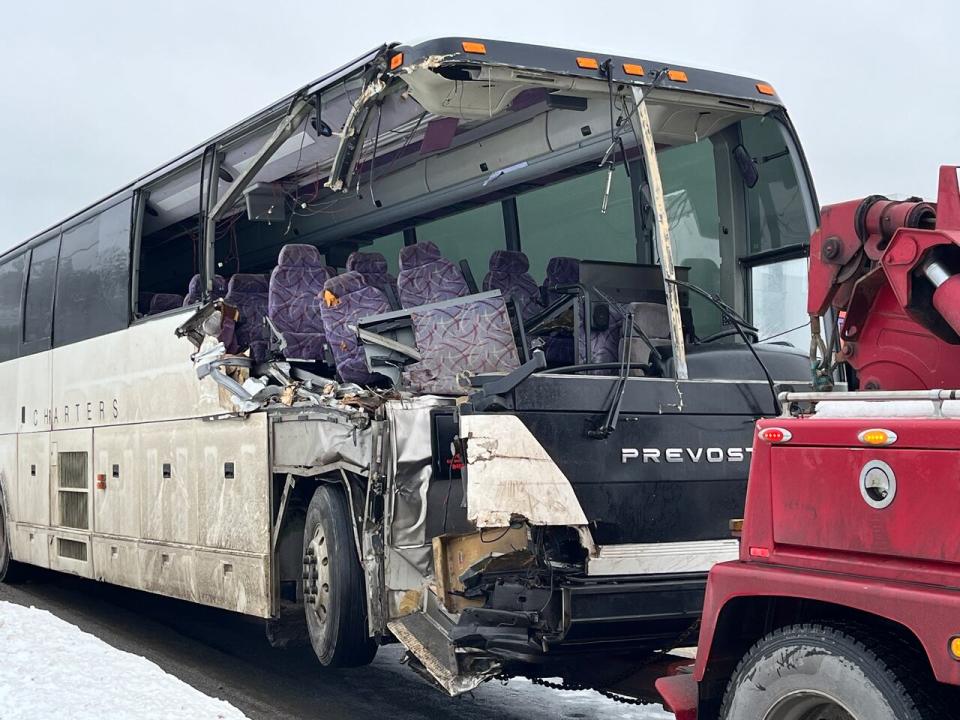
[72,549]
[73,493]
[73,470]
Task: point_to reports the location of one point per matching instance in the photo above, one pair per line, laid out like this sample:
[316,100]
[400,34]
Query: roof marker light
[588,63]
[774,435]
[477,48]
[765,89]
[677,75]
[396,61]
[877,437]
[633,69]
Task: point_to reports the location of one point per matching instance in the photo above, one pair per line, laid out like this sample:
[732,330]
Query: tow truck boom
[893,267]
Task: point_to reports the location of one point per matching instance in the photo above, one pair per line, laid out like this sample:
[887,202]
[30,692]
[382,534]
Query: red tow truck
[845,601]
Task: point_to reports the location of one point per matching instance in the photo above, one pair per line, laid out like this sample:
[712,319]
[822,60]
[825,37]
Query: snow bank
[52,669]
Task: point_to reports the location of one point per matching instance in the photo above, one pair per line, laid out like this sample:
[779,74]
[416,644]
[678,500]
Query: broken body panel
[511,512]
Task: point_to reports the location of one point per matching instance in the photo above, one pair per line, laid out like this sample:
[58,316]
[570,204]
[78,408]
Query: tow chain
[609,694]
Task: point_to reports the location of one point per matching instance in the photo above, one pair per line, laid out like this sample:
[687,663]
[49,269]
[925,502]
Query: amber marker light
[396,61]
[477,48]
[877,437]
[765,89]
[677,75]
[588,63]
[633,69]
[955,647]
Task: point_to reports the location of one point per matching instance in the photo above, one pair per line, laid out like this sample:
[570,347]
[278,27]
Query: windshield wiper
[741,327]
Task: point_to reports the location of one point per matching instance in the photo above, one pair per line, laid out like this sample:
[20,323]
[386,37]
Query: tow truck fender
[928,613]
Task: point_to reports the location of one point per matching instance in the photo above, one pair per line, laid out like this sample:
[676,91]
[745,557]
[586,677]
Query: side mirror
[746,165]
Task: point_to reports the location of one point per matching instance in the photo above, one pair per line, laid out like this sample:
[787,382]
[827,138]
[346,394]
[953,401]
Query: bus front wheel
[334,598]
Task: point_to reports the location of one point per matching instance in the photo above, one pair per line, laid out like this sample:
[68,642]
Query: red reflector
[760,552]
[775,435]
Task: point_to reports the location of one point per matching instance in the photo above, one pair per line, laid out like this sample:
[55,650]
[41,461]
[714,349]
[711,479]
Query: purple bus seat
[427,277]
[346,299]
[249,294]
[460,340]
[509,274]
[294,307]
[558,346]
[162,302]
[373,267]
[195,290]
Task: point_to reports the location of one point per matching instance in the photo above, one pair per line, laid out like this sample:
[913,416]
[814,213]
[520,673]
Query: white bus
[460,345]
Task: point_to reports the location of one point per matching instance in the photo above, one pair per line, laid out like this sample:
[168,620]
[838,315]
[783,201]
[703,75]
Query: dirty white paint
[510,474]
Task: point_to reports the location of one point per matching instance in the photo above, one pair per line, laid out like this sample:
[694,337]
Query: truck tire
[827,672]
[334,599]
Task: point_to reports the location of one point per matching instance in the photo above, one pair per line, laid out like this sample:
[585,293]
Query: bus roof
[451,52]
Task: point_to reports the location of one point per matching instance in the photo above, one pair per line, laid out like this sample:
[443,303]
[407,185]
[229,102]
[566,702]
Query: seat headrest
[372,263]
[418,255]
[344,284]
[509,261]
[248,283]
[563,271]
[300,255]
[219,286]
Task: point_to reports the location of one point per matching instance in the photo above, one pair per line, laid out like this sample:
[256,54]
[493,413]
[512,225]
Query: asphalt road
[226,655]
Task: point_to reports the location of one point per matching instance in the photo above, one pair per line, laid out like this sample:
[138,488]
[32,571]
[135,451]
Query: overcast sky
[95,93]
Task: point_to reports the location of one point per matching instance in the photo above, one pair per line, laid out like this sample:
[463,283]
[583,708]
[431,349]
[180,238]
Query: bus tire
[10,570]
[838,672]
[334,600]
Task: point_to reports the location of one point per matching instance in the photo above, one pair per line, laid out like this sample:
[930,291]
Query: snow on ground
[52,669]
[583,703]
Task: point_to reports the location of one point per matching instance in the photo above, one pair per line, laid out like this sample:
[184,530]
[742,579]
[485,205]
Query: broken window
[472,235]
[564,219]
[170,253]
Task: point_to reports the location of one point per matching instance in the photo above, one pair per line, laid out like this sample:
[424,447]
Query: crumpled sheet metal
[320,441]
[409,557]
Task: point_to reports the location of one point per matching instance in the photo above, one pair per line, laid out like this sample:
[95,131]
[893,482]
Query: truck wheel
[334,598]
[820,672]
[10,571]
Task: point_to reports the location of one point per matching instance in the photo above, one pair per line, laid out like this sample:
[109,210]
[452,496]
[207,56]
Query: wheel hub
[809,706]
[316,575]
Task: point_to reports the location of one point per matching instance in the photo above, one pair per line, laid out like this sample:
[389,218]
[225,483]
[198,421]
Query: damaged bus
[460,346]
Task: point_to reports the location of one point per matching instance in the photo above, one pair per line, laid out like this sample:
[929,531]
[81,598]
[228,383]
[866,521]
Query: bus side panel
[35,411]
[234,484]
[33,478]
[141,374]
[169,468]
[117,457]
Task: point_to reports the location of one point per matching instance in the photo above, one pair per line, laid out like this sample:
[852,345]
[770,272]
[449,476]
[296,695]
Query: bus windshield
[742,234]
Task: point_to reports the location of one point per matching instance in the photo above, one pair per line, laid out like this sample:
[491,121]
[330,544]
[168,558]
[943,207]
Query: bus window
[92,286]
[472,235]
[690,190]
[564,219]
[775,205]
[11,299]
[38,308]
[169,240]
